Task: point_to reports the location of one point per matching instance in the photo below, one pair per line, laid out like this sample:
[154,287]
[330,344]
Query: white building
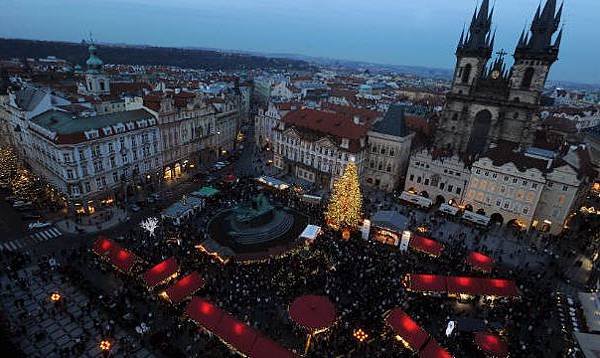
[90,159]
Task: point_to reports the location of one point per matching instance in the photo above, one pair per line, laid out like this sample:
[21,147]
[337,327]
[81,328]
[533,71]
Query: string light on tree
[345,204]
[150,225]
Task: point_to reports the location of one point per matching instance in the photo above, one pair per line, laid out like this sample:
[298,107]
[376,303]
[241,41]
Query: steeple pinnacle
[477,41]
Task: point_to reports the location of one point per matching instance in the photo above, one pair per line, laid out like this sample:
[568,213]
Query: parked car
[38,225]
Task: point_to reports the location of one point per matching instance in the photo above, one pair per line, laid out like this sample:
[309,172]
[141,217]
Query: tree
[344,209]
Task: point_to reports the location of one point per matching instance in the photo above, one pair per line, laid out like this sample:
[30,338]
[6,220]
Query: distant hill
[77,53]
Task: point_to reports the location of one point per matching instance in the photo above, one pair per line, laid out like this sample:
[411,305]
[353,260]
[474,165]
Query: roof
[405,327]
[29,98]
[434,350]
[184,287]
[426,283]
[161,272]
[590,304]
[393,122]
[491,344]
[70,128]
[589,344]
[506,152]
[389,219]
[426,245]
[480,262]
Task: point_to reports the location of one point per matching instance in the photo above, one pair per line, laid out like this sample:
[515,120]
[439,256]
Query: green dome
[93,62]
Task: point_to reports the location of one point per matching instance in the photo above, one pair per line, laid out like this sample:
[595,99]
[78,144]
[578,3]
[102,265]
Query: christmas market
[184,288]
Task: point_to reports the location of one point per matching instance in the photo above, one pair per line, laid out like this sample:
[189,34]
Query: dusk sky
[423,32]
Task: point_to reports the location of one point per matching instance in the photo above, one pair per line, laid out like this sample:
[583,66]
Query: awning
[238,334]
[161,272]
[428,246]
[407,329]
[122,259]
[310,232]
[499,287]
[464,285]
[434,350]
[273,182]
[230,178]
[426,283]
[185,287]
[204,313]
[266,348]
[480,262]
[205,192]
[103,246]
[241,337]
[491,344]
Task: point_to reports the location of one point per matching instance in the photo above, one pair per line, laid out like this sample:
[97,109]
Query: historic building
[487,101]
[484,156]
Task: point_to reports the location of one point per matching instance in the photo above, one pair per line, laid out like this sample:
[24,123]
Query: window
[524,182]
[426,182]
[110,148]
[527,77]
[412,177]
[514,180]
[506,204]
[477,171]
[450,187]
[525,210]
[505,178]
[389,168]
[494,175]
[466,73]
[487,174]
[115,177]
[418,179]
[458,190]
[565,188]
[534,185]
[88,187]
[442,185]
[98,183]
[67,157]
[498,202]
[69,174]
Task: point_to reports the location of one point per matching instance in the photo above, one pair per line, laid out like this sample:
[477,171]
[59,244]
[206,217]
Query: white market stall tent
[182,209]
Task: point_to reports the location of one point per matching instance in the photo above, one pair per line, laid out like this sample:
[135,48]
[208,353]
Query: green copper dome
[93,62]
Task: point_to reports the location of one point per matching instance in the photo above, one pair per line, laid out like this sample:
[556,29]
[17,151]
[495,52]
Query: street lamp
[55,297]
[105,346]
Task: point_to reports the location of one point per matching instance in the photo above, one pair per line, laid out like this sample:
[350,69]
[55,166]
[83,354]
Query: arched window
[527,77]
[466,73]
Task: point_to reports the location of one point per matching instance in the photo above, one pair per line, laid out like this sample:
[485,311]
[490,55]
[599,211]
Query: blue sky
[408,32]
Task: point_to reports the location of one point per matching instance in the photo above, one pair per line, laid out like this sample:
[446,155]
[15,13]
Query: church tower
[96,82]
[473,51]
[535,54]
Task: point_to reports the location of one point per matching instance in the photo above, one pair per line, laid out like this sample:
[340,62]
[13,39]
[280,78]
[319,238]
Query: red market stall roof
[237,334]
[464,285]
[426,245]
[204,313]
[480,262]
[266,348]
[434,350]
[161,272]
[230,178]
[185,287]
[426,283]
[491,344]
[404,326]
[312,312]
[122,259]
[243,338]
[499,287]
[103,246]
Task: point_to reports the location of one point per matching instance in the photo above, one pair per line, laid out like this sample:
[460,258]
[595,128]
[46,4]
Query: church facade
[484,143]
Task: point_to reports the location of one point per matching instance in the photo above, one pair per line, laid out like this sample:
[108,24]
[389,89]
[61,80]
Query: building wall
[387,160]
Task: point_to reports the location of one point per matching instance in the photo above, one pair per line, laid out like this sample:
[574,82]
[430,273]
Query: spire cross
[502,53]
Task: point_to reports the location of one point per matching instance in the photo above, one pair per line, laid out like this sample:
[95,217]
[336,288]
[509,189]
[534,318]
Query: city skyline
[344,31]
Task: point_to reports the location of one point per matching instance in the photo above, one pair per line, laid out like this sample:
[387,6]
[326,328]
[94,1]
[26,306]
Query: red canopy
[433,350]
[312,312]
[185,287]
[266,348]
[230,178]
[426,283]
[480,261]
[426,245]
[406,328]
[236,333]
[464,285]
[122,258]
[491,344]
[161,272]
[204,313]
[499,287]
[103,246]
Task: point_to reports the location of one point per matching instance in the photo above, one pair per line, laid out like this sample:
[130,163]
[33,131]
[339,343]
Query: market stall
[313,313]
[480,262]
[496,287]
[103,246]
[425,283]
[433,350]
[273,182]
[122,259]
[182,209]
[184,288]
[425,245]
[205,192]
[387,226]
[464,287]
[491,345]
[310,233]
[406,330]
[161,272]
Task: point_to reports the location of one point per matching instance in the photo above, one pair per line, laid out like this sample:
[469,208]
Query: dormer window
[345,143]
[107,130]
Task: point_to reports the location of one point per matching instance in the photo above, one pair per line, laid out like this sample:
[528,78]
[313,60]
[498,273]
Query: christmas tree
[344,209]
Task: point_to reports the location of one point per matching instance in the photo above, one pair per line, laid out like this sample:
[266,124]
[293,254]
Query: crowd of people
[362,278]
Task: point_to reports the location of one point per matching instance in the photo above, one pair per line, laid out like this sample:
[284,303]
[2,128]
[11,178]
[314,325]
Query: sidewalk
[98,222]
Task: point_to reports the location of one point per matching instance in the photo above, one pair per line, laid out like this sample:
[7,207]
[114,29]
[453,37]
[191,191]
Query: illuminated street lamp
[105,346]
[55,297]
[360,335]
